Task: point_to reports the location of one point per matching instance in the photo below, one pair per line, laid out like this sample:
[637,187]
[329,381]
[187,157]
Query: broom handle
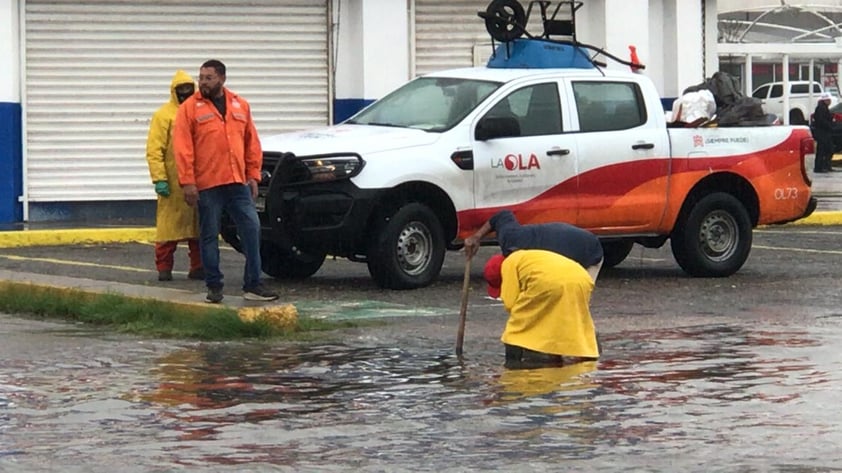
[463,308]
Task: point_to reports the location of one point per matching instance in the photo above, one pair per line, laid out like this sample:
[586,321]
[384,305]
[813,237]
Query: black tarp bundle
[732,107]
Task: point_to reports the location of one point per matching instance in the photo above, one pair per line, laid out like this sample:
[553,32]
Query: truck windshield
[428,103]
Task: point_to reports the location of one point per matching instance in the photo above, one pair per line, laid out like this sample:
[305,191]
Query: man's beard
[210,93]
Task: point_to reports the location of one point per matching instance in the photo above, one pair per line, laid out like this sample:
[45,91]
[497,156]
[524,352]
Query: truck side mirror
[496,127]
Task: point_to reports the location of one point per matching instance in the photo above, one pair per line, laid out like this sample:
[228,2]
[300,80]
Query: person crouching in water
[547,296]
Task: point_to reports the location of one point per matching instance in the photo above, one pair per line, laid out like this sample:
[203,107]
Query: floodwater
[718,397]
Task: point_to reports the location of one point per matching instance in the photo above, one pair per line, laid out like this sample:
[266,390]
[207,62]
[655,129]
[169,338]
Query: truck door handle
[558,152]
[643,146]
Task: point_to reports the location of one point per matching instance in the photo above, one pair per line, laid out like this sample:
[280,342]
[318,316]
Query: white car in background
[801,101]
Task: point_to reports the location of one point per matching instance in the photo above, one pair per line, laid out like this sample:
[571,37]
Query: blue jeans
[235,199]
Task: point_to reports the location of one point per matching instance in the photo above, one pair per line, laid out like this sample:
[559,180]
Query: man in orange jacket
[219,163]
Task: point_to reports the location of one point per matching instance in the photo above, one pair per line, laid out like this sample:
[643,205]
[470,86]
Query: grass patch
[148,316]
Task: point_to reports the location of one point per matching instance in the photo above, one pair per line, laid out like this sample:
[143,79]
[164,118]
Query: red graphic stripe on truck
[645,196]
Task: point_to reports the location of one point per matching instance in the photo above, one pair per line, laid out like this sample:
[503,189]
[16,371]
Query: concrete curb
[179,297]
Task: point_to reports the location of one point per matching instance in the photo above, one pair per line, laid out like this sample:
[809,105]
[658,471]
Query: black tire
[281,264]
[406,250]
[505,19]
[713,239]
[615,252]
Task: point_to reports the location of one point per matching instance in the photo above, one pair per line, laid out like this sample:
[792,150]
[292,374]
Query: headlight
[331,168]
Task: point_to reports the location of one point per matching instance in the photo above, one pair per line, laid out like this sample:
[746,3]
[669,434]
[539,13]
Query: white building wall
[668,36]
[711,37]
[386,46]
[655,59]
[372,50]
[347,49]
[9,52]
[372,47]
[689,47]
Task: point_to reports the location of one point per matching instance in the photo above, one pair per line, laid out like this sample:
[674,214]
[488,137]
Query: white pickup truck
[802,101]
[419,170]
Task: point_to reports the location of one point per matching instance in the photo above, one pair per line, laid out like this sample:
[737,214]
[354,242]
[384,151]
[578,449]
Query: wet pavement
[706,375]
[698,375]
[728,396]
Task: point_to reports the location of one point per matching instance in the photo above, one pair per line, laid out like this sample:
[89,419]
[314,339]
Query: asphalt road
[793,272]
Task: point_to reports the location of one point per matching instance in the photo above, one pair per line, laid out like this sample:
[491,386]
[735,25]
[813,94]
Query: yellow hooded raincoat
[548,296]
[175,220]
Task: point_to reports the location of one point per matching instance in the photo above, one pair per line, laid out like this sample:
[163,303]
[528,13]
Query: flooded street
[738,374]
[717,396]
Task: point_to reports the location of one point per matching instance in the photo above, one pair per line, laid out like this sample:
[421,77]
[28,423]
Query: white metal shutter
[449,34]
[96,71]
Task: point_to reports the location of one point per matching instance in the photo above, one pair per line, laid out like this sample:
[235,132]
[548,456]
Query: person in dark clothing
[567,240]
[823,134]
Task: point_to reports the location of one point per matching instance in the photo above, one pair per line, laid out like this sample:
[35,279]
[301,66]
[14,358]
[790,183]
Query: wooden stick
[463,309]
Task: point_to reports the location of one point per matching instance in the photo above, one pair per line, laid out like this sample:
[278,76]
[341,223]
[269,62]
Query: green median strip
[152,317]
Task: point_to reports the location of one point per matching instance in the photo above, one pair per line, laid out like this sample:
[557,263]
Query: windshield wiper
[382,124]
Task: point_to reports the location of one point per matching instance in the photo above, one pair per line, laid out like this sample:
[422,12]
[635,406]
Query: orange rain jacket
[210,151]
[174,219]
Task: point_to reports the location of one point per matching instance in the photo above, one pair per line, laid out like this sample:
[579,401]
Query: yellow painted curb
[821,218]
[21,238]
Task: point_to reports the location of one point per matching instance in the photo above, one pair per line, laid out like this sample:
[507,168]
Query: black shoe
[259,293]
[197,274]
[165,275]
[214,295]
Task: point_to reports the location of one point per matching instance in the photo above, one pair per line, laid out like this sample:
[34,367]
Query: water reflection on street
[704,398]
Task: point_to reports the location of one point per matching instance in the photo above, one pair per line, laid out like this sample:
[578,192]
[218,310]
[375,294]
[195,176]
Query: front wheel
[406,250]
[281,264]
[713,239]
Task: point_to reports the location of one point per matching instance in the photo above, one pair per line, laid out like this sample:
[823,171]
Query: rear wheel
[615,252]
[283,264]
[713,239]
[407,249]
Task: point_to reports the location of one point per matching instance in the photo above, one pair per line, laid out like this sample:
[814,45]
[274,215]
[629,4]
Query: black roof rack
[506,20]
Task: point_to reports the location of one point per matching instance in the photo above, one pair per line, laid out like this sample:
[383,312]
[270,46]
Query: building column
[371,52]
[614,25]
[749,75]
[688,38]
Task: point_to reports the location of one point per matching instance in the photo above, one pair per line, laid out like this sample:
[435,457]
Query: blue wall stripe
[11,152]
[345,108]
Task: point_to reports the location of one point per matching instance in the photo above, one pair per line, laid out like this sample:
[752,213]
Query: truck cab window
[761,92]
[536,109]
[800,89]
[605,106]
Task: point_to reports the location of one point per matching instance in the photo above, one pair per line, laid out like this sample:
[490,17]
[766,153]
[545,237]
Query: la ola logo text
[517,162]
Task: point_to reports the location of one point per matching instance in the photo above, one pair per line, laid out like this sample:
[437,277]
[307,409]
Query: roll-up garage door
[449,34]
[96,71]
